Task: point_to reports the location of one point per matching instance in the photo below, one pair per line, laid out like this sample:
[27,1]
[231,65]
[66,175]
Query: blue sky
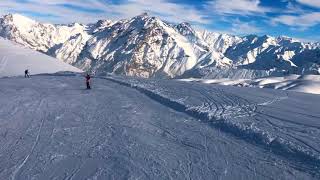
[295,18]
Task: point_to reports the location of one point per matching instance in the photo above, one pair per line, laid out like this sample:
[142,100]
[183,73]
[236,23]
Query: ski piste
[154,129]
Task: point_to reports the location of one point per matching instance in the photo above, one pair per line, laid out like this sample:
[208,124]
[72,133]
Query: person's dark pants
[26,76]
[88,85]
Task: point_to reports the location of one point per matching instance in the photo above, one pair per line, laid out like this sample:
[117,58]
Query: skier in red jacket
[88,81]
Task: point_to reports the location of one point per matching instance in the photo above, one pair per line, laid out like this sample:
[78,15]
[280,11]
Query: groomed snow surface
[15,59]
[127,128]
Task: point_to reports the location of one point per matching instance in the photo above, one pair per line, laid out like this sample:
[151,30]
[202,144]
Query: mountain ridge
[147,46]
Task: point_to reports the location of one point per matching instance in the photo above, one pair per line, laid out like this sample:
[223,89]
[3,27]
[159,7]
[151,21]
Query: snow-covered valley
[129,128]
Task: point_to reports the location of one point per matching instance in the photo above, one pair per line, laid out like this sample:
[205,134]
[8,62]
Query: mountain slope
[35,35]
[142,46]
[14,59]
[146,46]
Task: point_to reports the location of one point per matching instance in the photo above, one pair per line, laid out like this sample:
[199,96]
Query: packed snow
[15,59]
[299,83]
[128,128]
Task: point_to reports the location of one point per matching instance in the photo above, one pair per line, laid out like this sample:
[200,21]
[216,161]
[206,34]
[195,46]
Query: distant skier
[26,73]
[88,81]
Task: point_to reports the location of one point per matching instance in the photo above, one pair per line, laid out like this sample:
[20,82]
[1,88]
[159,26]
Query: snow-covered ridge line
[250,133]
[146,46]
[298,83]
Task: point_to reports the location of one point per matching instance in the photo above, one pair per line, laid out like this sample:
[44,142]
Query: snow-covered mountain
[14,59]
[146,46]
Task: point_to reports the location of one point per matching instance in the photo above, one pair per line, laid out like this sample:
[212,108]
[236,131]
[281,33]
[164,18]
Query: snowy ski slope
[52,128]
[14,59]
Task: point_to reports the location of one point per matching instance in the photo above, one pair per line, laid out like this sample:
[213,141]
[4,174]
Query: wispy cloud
[244,28]
[312,3]
[301,21]
[238,7]
[90,10]
[293,8]
[170,11]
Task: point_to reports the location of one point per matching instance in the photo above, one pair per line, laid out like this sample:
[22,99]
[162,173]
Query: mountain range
[147,46]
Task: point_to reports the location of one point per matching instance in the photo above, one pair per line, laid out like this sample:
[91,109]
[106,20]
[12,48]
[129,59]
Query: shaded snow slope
[52,128]
[306,84]
[14,59]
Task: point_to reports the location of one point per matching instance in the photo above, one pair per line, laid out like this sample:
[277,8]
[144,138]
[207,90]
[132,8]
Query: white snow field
[299,83]
[15,59]
[127,128]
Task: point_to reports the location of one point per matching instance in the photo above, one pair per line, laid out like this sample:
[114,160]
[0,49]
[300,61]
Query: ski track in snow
[227,109]
[3,63]
[35,142]
[129,128]
[16,171]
